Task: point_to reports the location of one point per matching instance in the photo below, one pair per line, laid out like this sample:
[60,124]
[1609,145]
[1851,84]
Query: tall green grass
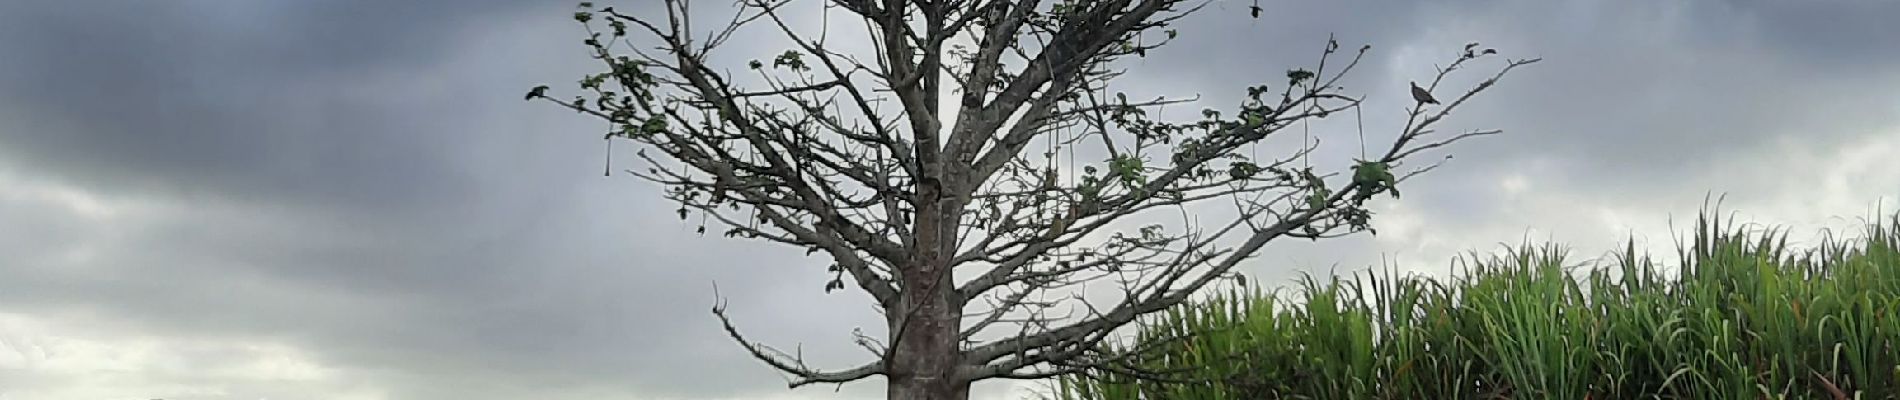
[1742,317]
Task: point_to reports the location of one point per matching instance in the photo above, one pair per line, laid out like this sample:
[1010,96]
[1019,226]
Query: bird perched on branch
[1419,93]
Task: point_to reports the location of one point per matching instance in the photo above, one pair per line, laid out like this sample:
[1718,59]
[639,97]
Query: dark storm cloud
[1830,36]
[239,99]
[1636,100]
[361,180]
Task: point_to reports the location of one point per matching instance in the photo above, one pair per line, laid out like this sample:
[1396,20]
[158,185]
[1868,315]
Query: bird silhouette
[1421,95]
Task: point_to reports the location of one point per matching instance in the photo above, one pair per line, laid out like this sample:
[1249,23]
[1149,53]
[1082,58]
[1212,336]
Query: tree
[962,211]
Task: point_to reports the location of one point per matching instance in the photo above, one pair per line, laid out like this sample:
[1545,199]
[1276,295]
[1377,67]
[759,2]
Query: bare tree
[961,209]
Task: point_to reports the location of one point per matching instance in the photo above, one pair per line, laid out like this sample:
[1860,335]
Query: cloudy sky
[349,200]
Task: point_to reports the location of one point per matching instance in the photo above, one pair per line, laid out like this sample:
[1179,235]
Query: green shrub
[1742,317]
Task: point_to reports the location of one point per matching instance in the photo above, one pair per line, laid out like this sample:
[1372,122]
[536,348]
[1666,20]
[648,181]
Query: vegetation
[1742,317]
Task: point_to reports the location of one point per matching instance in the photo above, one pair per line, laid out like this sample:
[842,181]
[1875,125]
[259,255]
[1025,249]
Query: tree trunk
[925,377]
[923,363]
[928,320]
[918,389]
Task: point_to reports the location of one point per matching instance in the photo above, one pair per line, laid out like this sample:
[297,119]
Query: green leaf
[1318,198]
[653,126]
[790,59]
[1375,176]
[1129,170]
[1298,75]
[1242,170]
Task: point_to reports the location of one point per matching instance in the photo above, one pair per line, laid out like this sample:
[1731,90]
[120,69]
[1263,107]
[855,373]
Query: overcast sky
[349,200]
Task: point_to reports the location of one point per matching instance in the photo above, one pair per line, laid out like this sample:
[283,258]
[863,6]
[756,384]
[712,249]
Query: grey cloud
[361,179]
[338,184]
[239,100]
